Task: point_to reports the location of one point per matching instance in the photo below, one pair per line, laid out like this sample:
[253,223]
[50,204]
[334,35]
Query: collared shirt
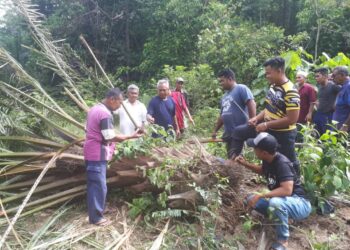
[280,99]
[163,111]
[180,107]
[342,104]
[137,111]
[99,129]
[307,97]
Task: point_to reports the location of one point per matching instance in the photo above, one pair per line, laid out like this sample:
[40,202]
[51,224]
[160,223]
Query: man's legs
[96,189]
[286,139]
[321,120]
[239,136]
[283,208]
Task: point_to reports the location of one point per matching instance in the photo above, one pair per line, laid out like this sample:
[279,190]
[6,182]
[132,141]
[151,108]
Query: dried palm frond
[50,49]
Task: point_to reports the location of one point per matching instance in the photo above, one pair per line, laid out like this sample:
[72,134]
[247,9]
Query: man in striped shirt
[279,118]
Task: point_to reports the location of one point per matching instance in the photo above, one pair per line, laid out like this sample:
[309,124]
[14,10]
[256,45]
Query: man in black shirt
[327,94]
[286,197]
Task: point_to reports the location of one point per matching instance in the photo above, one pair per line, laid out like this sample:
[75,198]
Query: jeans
[286,140]
[96,189]
[282,208]
[321,120]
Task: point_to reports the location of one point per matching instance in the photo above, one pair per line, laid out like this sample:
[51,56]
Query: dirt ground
[316,232]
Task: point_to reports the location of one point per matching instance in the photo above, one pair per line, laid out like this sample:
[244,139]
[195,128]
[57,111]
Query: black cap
[264,141]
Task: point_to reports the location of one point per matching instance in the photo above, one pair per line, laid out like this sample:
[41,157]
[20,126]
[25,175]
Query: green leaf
[337,182]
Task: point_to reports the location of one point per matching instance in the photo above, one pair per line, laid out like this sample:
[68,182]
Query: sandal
[103,222]
[277,246]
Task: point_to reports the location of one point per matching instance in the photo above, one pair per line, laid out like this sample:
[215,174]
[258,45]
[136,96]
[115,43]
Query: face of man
[225,83]
[114,103]
[338,78]
[321,79]
[163,91]
[179,85]
[133,94]
[273,75]
[300,79]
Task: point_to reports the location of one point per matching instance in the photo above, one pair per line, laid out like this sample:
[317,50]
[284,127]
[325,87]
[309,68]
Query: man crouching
[286,198]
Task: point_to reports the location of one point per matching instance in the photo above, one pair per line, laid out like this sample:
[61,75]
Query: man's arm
[251,105]
[291,118]
[121,138]
[256,168]
[255,120]
[189,115]
[313,100]
[285,189]
[218,125]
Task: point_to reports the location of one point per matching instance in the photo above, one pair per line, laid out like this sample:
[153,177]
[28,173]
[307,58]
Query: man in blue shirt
[342,104]
[237,106]
[161,109]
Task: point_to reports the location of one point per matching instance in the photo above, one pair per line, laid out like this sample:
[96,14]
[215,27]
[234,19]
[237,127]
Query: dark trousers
[286,140]
[321,120]
[96,189]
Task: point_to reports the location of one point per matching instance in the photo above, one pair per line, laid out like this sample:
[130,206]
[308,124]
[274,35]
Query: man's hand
[262,127]
[253,121]
[309,117]
[253,200]
[192,121]
[137,134]
[150,119]
[344,128]
[178,132]
[241,160]
[214,134]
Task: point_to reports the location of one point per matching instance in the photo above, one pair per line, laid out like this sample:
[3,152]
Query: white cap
[302,73]
[180,79]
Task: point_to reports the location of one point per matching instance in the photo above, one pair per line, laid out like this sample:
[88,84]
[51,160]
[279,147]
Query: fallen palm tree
[43,166]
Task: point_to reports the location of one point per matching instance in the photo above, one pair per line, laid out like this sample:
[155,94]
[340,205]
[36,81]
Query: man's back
[342,104]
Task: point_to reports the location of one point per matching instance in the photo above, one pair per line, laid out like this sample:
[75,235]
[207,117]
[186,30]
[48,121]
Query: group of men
[166,110]
[326,103]
[272,133]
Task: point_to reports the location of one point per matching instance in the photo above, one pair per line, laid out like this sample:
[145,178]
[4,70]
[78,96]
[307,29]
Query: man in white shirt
[136,109]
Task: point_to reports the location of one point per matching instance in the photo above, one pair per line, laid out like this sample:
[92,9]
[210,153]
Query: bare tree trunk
[318,29]
[127,40]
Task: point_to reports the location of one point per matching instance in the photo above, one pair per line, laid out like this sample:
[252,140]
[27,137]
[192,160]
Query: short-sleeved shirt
[326,97]
[281,170]
[99,129]
[163,111]
[307,95]
[234,111]
[180,107]
[280,99]
[342,104]
[137,111]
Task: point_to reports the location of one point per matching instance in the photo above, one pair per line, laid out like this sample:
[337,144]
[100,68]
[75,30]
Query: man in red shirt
[180,105]
[307,98]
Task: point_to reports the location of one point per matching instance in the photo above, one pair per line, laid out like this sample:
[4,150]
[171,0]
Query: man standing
[161,109]
[286,198]
[342,103]
[237,106]
[179,88]
[98,149]
[180,105]
[327,93]
[307,95]
[280,115]
[136,109]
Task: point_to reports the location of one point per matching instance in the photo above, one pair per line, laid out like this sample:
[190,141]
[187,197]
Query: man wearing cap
[136,109]
[282,105]
[286,198]
[181,106]
[307,98]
